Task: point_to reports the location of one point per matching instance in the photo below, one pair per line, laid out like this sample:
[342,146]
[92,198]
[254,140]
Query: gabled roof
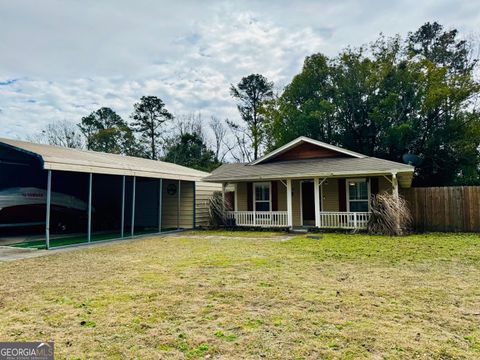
[305,169]
[65,159]
[300,140]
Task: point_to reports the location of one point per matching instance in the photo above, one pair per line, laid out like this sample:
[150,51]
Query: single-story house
[54,196]
[308,183]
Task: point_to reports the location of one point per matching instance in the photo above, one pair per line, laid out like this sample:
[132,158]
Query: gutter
[311,175]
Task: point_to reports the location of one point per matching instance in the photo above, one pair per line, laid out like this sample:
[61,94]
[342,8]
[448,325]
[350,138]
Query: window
[358,195]
[262,196]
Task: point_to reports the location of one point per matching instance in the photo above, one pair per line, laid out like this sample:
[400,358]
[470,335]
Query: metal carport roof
[66,159]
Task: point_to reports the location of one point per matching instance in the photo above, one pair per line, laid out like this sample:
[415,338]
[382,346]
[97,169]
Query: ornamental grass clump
[390,215]
[217,210]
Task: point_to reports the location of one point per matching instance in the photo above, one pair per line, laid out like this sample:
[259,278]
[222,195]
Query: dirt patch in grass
[248,295]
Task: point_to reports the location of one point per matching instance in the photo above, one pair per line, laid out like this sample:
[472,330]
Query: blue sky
[63,59]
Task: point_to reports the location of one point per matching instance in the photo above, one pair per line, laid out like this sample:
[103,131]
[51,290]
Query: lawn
[251,295]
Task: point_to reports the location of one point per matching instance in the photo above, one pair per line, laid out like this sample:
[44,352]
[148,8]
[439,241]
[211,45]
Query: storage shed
[53,196]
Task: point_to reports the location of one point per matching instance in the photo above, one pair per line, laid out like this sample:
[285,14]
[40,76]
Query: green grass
[251,295]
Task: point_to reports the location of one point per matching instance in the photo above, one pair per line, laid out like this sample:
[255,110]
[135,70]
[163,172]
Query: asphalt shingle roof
[312,167]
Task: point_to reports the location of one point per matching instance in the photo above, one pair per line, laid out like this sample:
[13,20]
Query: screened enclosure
[45,208]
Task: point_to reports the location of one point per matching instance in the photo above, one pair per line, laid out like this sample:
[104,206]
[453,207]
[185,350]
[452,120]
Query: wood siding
[453,208]
[306,151]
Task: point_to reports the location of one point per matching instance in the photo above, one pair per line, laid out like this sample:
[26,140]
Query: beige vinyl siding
[296,203]
[330,195]
[169,205]
[242,196]
[384,185]
[203,192]
[186,204]
[282,196]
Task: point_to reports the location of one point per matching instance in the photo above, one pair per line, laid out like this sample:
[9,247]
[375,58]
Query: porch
[328,219]
[326,203]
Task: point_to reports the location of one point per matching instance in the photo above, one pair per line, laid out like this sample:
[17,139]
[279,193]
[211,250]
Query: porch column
[395,185]
[395,195]
[289,203]
[316,194]
[236,198]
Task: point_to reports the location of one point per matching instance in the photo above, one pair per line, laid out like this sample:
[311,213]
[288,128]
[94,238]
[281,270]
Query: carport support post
[160,194]
[289,203]
[178,204]
[194,190]
[316,194]
[133,204]
[89,231]
[123,206]
[47,220]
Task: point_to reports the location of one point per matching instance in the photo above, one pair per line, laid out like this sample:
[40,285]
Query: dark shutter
[342,195]
[249,196]
[374,185]
[274,185]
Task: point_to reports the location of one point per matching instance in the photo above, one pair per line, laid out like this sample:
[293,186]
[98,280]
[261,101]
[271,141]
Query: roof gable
[305,148]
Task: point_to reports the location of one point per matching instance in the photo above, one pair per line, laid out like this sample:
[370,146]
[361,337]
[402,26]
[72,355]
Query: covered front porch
[325,203]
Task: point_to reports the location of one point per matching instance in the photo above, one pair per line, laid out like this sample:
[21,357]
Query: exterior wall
[169,205]
[330,195]
[242,196]
[296,203]
[203,192]
[329,191]
[306,151]
[384,185]
[282,196]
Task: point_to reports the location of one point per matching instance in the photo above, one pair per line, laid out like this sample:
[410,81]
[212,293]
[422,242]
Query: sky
[61,60]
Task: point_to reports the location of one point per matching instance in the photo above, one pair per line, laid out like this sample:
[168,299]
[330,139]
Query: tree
[394,96]
[60,133]
[251,92]
[106,131]
[188,149]
[222,145]
[149,115]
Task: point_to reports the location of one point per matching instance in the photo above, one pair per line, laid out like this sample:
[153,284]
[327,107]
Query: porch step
[298,230]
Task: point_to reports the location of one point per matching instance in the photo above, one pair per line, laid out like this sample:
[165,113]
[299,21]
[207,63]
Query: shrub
[390,215]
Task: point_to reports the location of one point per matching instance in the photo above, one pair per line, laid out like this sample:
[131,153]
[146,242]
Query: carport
[52,196]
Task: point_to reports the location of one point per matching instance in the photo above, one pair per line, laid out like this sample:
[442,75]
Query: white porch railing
[343,220]
[328,219]
[259,218]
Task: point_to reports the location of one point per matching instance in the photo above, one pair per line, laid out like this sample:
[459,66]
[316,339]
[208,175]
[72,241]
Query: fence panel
[452,208]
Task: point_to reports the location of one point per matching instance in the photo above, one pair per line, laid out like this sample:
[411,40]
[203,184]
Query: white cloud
[70,58]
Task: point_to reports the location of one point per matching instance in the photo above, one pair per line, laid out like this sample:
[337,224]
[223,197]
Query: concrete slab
[8,253]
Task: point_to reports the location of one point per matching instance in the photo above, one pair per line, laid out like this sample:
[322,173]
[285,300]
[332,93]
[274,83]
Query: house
[308,183]
[54,196]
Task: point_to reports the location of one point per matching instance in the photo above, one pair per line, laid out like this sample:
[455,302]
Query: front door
[308,203]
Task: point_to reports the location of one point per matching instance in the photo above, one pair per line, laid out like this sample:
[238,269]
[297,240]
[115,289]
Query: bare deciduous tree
[60,133]
[241,152]
[222,144]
